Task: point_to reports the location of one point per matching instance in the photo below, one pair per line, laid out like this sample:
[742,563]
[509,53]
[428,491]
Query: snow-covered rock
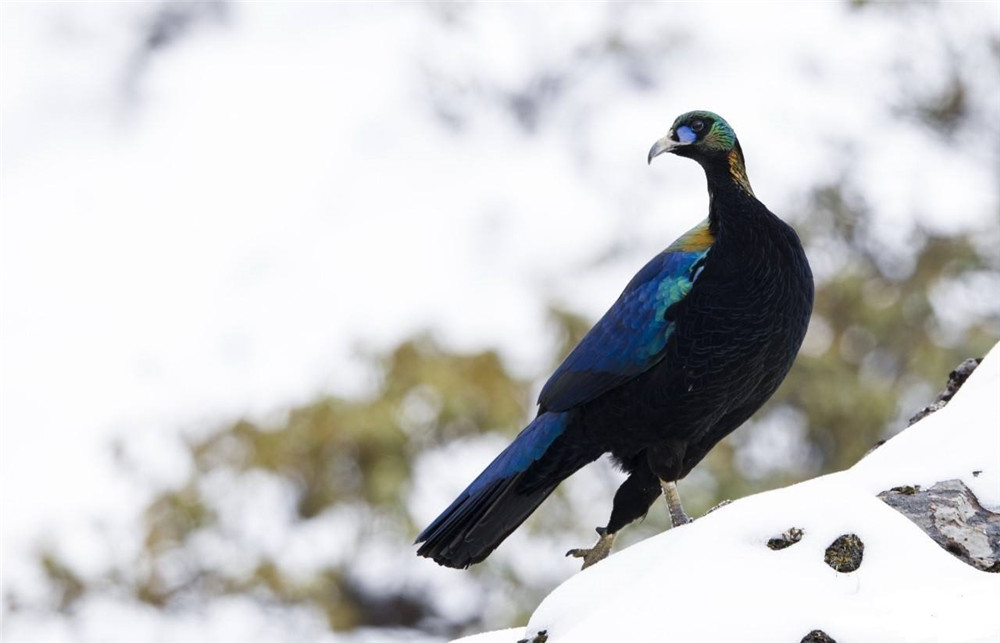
[717,579]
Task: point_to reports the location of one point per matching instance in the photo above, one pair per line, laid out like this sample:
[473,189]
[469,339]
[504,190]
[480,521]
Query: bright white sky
[277,192]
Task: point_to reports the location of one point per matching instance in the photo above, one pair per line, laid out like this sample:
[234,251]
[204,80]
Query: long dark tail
[503,495]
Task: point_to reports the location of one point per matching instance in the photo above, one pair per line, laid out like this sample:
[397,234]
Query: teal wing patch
[631,337]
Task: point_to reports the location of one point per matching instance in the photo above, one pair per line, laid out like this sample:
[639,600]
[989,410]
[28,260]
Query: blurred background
[279,279]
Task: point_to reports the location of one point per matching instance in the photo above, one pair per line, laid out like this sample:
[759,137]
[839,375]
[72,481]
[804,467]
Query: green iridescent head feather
[720,137]
[700,135]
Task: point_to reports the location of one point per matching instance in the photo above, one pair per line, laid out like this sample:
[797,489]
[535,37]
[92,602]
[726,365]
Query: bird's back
[734,338]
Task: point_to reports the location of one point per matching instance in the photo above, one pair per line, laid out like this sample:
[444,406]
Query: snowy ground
[716,580]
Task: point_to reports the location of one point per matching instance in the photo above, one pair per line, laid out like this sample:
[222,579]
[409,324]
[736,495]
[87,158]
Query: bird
[698,340]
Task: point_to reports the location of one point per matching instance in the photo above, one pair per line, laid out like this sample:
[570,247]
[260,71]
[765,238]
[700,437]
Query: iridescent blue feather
[469,517]
[631,336]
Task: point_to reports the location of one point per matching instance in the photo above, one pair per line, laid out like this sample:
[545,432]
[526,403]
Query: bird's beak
[666,144]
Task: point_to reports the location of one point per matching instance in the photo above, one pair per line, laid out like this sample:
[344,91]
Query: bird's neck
[731,199]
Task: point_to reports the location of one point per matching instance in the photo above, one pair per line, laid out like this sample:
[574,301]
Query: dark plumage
[697,342]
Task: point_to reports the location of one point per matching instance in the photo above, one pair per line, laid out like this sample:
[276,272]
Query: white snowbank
[716,580]
[498,636]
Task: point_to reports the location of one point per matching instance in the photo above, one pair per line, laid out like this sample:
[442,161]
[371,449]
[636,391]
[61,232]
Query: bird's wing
[630,338]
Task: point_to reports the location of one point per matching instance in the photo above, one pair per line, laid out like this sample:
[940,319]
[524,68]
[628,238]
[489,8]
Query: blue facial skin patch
[686,135]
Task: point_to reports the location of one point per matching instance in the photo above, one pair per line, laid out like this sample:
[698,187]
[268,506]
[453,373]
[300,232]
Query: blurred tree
[166,23]
[333,455]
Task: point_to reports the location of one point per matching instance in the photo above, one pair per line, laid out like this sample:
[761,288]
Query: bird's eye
[697,126]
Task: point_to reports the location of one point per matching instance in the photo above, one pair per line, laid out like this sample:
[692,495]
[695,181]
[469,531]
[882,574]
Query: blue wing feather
[529,446]
[493,505]
[630,338]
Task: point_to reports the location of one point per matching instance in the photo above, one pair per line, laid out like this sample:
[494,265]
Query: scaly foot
[677,515]
[598,552]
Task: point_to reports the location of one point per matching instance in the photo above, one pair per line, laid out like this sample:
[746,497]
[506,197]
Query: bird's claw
[678,517]
[598,552]
[722,504]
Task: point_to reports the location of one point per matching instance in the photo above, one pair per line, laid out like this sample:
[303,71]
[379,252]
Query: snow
[937,448]
[499,636]
[715,579]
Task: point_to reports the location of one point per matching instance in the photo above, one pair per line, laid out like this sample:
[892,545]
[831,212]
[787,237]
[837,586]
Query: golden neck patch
[696,239]
[738,170]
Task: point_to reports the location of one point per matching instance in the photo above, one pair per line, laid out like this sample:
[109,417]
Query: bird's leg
[677,515]
[666,461]
[632,501]
[598,552]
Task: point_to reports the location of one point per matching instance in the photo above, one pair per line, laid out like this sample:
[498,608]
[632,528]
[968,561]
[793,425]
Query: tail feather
[501,498]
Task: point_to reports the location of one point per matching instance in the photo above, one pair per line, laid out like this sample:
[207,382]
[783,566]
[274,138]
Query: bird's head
[696,135]
[707,138]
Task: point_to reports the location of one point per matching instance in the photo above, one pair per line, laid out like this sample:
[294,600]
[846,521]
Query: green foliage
[66,584]
[334,453]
